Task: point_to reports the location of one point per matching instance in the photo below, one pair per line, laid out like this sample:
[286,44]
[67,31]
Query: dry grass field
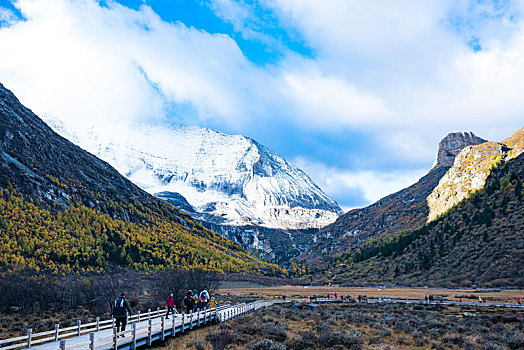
[361,326]
[493,295]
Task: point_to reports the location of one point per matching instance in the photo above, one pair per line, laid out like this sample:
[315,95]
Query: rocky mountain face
[276,245]
[226,179]
[231,184]
[403,210]
[61,206]
[469,172]
[452,144]
[476,243]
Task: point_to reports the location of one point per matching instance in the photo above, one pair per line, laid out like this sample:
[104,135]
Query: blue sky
[357,94]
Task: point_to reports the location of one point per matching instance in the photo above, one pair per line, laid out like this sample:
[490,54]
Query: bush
[220,338]
[201,344]
[266,344]
[274,332]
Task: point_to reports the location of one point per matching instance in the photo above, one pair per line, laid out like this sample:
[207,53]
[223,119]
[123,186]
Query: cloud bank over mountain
[364,91]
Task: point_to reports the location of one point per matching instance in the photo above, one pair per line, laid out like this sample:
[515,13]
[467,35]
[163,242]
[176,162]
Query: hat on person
[122,294]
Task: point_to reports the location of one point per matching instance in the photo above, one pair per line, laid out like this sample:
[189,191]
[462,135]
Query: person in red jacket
[170,305]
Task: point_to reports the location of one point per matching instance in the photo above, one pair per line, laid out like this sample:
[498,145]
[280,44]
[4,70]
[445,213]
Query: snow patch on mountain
[228,179]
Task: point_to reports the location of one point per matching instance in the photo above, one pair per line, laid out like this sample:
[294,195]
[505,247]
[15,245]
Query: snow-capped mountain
[225,179]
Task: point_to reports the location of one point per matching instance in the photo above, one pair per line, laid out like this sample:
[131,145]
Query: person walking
[204,299]
[336,295]
[480,299]
[170,304]
[189,302]
[213,303]
[518,300]
[195,300]
[284,297]
[120,309]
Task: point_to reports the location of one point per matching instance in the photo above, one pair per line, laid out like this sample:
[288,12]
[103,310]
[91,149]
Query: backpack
[119,308]
[188,300]
[203,297]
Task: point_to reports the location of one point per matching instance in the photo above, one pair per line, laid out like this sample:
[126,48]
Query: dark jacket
[121,307]
[189,301]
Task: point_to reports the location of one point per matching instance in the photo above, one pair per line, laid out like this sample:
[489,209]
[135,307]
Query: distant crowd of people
[193,302]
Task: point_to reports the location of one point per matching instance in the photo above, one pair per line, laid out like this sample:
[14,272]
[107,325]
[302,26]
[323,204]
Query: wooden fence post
[198,318]
[148,314]
[149,331]
[62,344]
[183,321]
[57,331]
[29,336]
[162,319]
[97,324]
[133,327]
[78,324]
[138,315]
[173,324]
[92,341]
[115,338]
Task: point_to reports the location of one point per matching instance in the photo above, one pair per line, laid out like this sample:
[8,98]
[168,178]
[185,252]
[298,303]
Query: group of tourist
[193,301]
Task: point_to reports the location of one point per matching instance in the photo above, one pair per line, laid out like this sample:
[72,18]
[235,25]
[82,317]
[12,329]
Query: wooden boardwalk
[143,329]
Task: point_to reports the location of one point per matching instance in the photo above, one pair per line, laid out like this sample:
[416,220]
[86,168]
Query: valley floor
[491,295]
[362,326]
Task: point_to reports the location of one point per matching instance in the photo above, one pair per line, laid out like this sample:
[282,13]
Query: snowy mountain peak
[226,179]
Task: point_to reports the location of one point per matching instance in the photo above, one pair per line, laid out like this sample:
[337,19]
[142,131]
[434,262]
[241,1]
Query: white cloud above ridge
[399,75]
[370,186]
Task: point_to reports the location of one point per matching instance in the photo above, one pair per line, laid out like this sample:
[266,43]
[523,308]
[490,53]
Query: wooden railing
[144,328]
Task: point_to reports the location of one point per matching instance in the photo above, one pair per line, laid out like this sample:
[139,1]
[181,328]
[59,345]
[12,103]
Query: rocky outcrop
[404,210]
[452,144]
[469,172]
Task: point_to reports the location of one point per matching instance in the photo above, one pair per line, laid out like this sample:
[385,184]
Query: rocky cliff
[452,144]
[469,172]
[403,210]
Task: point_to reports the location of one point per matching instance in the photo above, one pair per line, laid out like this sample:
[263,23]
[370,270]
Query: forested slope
[63,209]
[480,241]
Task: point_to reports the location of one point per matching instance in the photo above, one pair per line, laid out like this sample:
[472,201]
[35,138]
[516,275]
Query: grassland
[362,326]
[494,295]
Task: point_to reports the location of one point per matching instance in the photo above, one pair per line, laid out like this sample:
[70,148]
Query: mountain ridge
[404,209]
[232,178]
[62,207]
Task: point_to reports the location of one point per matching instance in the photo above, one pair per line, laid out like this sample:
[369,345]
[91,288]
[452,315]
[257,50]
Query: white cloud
[343,184]
[414,58]
[76,59]
[396,72]
[347,105]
